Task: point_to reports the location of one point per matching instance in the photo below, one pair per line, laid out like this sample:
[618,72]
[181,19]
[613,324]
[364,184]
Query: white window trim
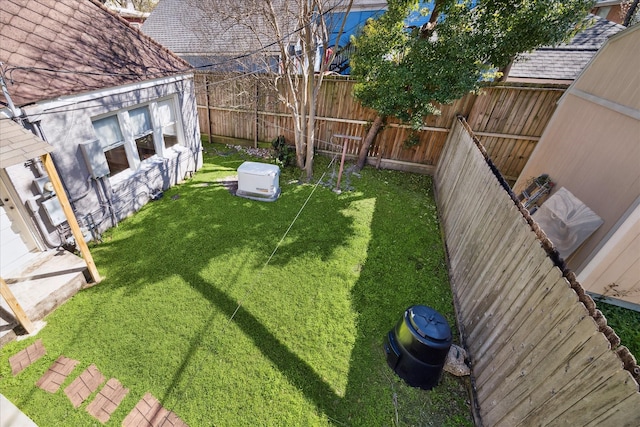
[135,164]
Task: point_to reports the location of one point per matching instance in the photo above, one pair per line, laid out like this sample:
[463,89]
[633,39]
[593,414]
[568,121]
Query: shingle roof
[566,61]
[53,48]
[204,33]
[186,28]
[18,145]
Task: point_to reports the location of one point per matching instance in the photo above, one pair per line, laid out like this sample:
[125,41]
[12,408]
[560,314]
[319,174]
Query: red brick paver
[84,385]
[20,361]
[107,400]
[56,374]
[149,413]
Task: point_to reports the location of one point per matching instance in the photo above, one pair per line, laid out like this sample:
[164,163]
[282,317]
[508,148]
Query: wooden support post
[207,99]
[50,167]
[255,119]
[21,316]
[344,153]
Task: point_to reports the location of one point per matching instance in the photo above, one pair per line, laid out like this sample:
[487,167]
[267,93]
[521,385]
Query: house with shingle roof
[563,63]
[210,38]
[616,10]
[128,12]
[117,109]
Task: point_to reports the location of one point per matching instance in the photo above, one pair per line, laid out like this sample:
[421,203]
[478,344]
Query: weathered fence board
[516,391]
[539,357]
[615,415]
[575,380]
[509,120]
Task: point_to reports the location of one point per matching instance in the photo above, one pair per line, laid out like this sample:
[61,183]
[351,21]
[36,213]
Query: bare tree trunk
[368,140]
[301,30]
[301,133]
[505,71]
[311,128]
[427,29]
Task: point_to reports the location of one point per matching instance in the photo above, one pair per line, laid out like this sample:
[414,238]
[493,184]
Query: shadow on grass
[298,372]
[394,278]
[199,221]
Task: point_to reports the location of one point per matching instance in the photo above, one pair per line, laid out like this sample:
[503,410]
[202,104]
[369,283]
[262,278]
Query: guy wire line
[211,347]
[250,291]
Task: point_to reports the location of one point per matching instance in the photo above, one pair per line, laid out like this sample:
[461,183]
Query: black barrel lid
[428,323]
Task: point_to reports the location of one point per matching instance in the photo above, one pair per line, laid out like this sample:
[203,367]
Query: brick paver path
[56,374]
[21,360]
[150,413]
[107,400]
[84,385]
[147,413]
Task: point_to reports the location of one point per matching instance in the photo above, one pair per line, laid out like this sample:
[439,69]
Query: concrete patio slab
[11,416]
[42,286]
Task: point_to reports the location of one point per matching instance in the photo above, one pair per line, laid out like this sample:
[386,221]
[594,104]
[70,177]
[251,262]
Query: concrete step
[40,287]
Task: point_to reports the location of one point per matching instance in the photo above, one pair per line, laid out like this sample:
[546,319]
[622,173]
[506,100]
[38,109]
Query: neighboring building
[562,64]
[117,108]
[207,39]
[129,13]
[591,147]
[210,39]
[616,10]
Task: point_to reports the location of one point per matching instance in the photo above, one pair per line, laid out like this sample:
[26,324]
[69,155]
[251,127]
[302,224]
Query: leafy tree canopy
[406,72]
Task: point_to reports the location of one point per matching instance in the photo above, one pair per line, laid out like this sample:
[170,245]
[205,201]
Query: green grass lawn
[194,309]
[625,322]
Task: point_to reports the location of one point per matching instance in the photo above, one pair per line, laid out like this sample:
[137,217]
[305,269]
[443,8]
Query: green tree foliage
[406,73]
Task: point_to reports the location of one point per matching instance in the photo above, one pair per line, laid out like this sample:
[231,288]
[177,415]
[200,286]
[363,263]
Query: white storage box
[259,181]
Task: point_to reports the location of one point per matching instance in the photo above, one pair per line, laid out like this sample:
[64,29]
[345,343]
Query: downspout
[105,193]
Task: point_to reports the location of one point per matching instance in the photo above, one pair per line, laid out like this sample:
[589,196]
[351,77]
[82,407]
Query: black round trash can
[416,349]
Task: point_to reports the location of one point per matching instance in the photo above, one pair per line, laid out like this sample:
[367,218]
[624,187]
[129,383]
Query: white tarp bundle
[566,221]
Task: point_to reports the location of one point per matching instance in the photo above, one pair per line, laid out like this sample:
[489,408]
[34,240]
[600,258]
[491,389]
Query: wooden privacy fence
[509,120]
[541,352]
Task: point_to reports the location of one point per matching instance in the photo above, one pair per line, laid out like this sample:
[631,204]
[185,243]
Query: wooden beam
[628,111]
[507,136]
[21,316]
[50,167]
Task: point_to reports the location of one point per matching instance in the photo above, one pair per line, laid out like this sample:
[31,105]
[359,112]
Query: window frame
[130,143]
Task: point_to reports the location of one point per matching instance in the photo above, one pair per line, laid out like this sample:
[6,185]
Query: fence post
[344,153]
[206,89]
[255,118]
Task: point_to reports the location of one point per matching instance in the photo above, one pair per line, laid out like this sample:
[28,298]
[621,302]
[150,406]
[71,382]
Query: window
[603,12]
[110,135]
[168,123]
[132,136]
[140,119]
